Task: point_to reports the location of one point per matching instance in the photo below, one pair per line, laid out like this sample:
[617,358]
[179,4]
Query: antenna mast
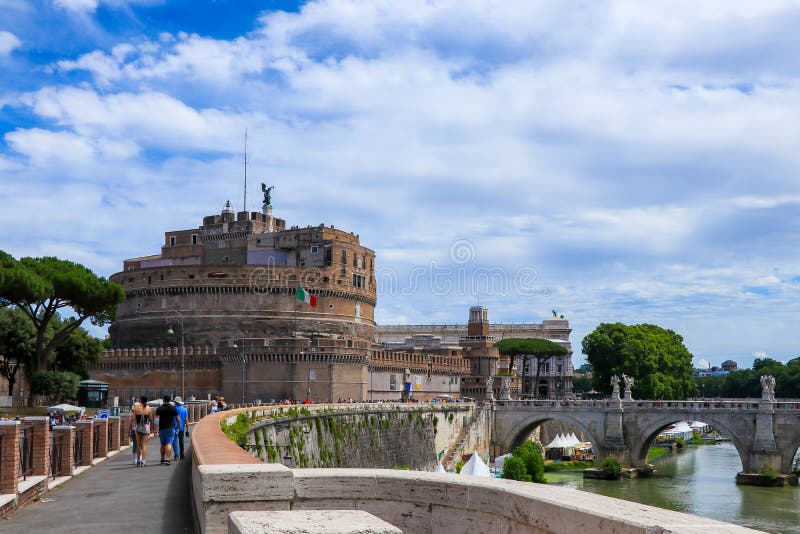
[245,170]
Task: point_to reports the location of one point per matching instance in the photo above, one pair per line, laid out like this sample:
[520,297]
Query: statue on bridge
[767,387]
[505,389]
[615,385]
[628,380]
[489,390]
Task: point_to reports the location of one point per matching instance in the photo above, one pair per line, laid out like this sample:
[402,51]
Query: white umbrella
[500,460]
[66,408]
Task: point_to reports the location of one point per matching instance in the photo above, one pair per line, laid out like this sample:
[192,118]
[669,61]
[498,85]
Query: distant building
[729,365]
[477,338]
[585,369]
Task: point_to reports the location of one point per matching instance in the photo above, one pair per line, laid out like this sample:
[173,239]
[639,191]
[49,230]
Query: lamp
[171,332]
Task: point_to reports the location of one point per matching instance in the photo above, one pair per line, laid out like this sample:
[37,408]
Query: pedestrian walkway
[114,497]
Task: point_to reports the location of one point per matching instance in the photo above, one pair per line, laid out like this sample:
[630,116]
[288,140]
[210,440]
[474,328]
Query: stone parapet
[114,433]
[309,521]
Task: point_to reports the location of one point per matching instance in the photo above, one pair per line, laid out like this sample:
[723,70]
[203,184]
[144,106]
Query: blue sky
[613,160]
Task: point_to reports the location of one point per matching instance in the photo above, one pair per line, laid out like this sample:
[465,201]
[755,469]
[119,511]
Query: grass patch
[656,452]
[569,466]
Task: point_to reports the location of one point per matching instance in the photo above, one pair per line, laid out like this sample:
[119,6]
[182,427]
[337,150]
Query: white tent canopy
[475,467]
[679,428]
[66,408]
[557,443]
[439,468]
[573,439]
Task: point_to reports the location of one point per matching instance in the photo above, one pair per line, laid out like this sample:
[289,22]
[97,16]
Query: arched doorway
[543,389]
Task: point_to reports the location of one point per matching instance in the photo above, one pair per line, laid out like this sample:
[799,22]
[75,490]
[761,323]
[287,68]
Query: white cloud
[641,158]
[80,6]
[8,42]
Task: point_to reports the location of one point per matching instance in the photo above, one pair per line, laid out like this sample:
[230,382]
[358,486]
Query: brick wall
[41,444]
[101,428]
[83,429]
[67,447]
[114,432]
[9,453]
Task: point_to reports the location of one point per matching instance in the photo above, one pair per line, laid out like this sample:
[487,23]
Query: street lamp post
[179,315]
[243,359]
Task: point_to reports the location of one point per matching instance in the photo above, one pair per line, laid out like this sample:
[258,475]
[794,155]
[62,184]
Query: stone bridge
[765,433]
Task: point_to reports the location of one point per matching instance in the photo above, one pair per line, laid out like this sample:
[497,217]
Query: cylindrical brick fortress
[238,277]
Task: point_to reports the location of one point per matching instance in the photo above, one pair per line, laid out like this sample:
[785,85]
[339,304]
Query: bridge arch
[520,431]
[655,425]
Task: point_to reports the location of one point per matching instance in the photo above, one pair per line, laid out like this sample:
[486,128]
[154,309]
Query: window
[314,249]
[559,368]
[172,240]
[344,257]
[392,382]
[302,263]
[359,281]
[194,239]
[546,367]
[355,260]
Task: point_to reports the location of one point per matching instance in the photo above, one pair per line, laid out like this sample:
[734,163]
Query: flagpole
[296,298]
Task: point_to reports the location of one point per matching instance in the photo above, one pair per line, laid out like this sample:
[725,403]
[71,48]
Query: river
[701,480]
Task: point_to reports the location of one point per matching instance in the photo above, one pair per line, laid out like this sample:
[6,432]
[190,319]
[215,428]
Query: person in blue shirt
[180,428]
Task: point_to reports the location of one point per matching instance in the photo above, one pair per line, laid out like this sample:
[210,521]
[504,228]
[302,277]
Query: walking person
[180,429]
[143,415]
[134,441]
[166,414]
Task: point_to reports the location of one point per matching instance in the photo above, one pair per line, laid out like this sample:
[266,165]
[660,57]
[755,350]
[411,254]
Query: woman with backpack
[143,416]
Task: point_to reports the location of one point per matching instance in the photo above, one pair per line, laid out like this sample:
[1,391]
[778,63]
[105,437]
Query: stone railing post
[67,446]
[101,427]
[125,430]
[113,428]
[85,434]
[41,444]
[9,456]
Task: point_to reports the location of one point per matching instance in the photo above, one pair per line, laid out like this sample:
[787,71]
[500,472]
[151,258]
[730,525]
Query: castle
[219,312]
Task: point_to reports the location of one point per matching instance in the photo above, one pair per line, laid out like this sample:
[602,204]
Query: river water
[701,480]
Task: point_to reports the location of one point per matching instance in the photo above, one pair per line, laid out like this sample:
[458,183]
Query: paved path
[114,497]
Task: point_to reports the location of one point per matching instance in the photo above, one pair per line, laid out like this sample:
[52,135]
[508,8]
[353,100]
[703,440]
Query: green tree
[581,384]
[42,287]
[531,455]
[17,344]
[540,350]
[514,469]
[655,357]
[55,385]
[77,350]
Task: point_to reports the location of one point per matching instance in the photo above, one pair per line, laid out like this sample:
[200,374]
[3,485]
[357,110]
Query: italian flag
[303,296]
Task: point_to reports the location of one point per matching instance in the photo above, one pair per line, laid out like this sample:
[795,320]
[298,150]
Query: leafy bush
[531,455]
[238,430]
[769,472]
[679,443]
[459,465]
[55,385]
[611,467]
[514,469]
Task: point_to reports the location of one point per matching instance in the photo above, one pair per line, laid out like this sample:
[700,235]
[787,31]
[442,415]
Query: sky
[610,160]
